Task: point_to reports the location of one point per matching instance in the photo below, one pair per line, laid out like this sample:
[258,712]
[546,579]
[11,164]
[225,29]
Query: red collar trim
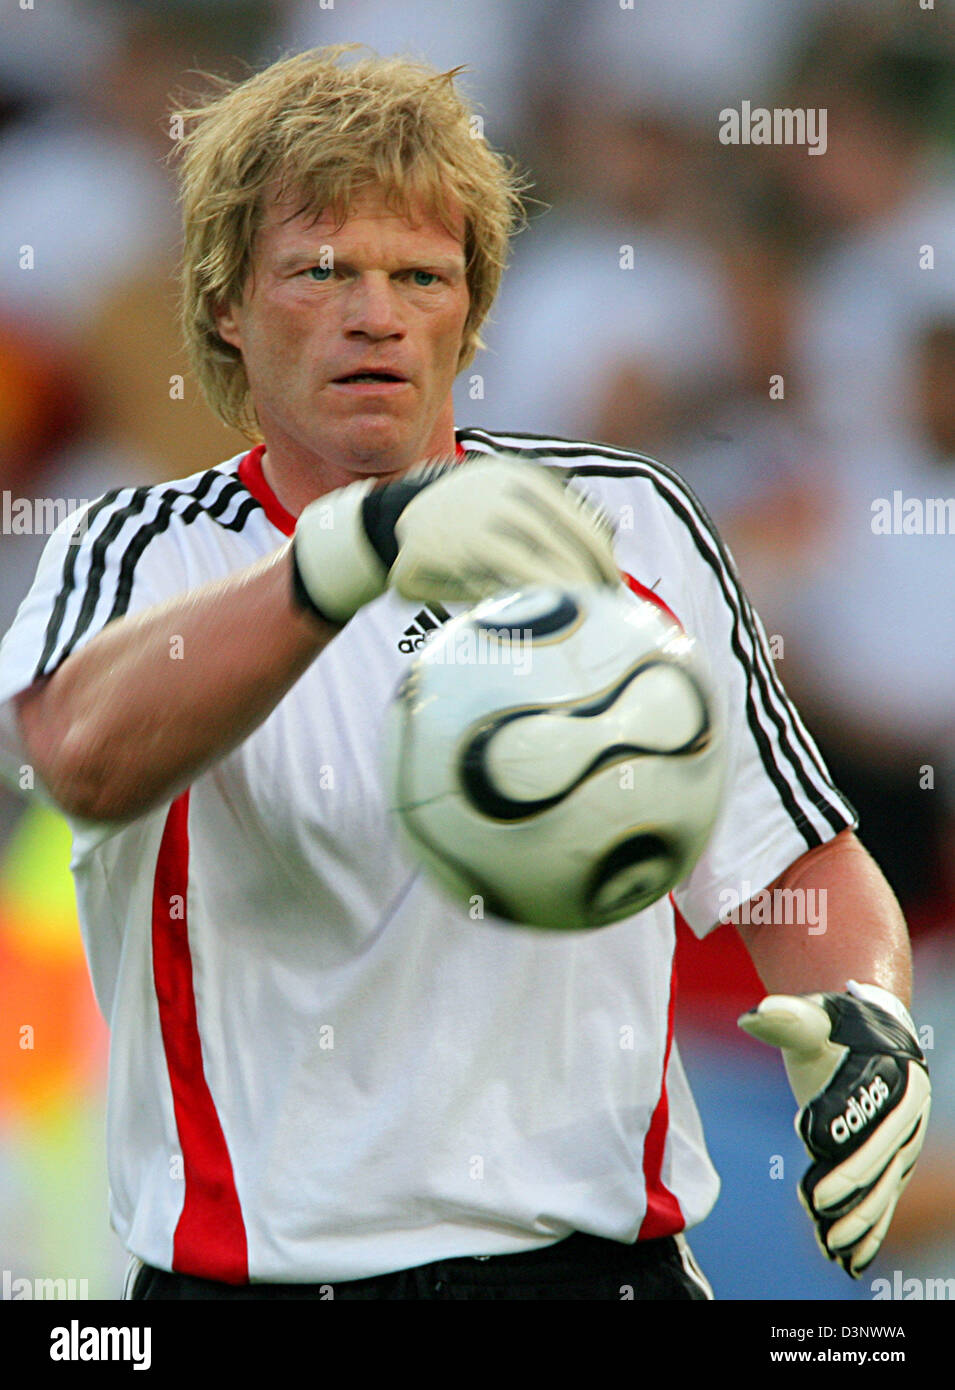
[250,473]
[253,478]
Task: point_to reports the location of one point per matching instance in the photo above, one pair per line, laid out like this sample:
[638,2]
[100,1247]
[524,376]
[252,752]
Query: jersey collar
[250,473]
[253,479]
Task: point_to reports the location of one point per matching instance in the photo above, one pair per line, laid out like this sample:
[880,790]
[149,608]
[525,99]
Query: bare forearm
[155,697]
[861,935]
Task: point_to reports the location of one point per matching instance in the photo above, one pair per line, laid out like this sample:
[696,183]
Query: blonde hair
[312,129]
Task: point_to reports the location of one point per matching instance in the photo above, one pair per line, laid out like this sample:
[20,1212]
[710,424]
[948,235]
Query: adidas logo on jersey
[425,623]
[859,1112]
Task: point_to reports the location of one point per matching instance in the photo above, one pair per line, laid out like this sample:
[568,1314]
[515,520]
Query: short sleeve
[91,572]
[779,800]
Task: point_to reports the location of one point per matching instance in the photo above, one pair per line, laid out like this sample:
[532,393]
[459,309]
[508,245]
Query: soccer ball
[557,756]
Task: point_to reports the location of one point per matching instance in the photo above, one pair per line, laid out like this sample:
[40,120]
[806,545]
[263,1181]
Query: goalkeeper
[320,1077]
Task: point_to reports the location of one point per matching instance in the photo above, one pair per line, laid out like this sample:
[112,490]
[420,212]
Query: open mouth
[356,378]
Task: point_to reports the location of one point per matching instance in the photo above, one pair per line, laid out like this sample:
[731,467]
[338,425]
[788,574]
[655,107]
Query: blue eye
[424,278]
[319,273]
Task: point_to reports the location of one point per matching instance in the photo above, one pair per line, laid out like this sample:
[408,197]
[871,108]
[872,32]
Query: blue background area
[758,1242]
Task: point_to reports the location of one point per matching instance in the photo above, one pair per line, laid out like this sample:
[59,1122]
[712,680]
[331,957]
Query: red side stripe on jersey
[253,478]
[663,1217]
[210,1239]
[642,591]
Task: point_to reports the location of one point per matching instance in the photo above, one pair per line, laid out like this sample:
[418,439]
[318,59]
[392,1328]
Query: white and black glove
[448,532]
[862,1085]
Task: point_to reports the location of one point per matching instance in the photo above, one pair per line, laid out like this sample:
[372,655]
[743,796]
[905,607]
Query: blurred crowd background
[778,326]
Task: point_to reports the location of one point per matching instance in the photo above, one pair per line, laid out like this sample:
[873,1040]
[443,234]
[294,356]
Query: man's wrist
[883,999]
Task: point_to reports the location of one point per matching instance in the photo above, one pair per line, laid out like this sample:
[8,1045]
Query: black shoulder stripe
[68,582]
[758,676]
[698,524]
[756,673]
[134,549]
[160,523]
[773,699]
[94,578]
[109,533]
[554,446]
[581,448]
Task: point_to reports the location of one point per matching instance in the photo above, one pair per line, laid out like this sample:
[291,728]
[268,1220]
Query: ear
[228,324]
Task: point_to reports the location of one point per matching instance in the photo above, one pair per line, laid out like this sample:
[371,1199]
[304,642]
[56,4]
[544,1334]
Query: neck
[298,476]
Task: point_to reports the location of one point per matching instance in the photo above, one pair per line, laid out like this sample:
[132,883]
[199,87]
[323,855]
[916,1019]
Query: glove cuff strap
[883,999]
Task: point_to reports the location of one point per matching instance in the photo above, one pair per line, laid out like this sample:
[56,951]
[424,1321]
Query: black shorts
[580,1266]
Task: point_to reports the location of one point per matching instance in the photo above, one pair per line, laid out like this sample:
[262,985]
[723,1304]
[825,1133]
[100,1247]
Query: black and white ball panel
[557,754]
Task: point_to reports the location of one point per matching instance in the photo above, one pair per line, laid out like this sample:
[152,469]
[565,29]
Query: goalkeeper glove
[863,1089]
[448,532]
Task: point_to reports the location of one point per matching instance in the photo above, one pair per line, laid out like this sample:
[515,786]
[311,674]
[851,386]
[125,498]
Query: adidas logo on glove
[859,1112]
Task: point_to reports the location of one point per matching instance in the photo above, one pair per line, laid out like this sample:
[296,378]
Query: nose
[374,308]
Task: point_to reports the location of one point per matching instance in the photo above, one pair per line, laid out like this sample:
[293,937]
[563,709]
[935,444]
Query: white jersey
[319,1069]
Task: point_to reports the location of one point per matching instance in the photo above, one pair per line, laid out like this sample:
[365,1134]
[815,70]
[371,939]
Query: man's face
[327,308]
